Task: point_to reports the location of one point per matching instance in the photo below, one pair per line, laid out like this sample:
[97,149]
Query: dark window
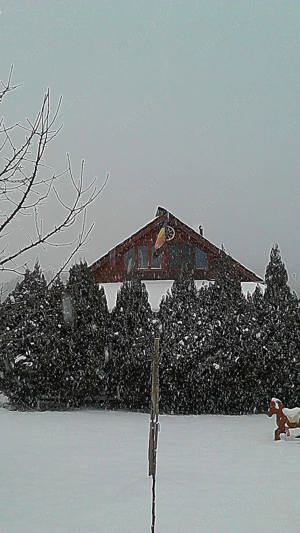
[129,259]
[143,257]
[175,256]
[188,255]
[156,258]
[201,259]
[181,255]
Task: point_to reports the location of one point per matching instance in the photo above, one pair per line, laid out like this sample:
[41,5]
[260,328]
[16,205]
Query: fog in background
[192,105]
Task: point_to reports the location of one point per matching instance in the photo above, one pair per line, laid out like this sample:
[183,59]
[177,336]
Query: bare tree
[28,184]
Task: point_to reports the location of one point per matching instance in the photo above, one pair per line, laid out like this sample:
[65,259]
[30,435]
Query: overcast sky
[192,105]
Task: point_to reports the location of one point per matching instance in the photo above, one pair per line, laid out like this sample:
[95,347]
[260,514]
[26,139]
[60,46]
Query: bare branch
[26,187]
[83,236]
[6,87]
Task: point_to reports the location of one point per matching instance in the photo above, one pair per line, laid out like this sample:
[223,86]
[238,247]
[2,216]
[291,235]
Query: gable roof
[162,216]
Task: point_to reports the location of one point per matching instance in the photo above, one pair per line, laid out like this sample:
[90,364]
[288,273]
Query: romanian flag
[161,238]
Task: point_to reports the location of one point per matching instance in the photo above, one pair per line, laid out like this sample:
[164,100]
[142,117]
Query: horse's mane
[276,401]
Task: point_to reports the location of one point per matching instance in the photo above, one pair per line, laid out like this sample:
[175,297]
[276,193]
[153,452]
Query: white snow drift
[86,472]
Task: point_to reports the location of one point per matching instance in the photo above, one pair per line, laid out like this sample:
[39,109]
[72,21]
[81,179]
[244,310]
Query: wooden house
[183,246]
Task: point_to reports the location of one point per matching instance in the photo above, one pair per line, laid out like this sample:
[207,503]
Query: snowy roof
[158,289]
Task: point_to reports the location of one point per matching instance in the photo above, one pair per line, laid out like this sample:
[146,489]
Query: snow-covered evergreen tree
[131,348]
[280,335]
[277,292]
[178,318]
[23,342]
[85,359]
[222,353]
[58,338]
[251,344]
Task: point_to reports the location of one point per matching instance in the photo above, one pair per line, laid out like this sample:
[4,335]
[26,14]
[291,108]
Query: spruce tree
[222,354]
[131,348]
[252,345]
[87,337]
[57,347]
[178,318]
[280,359]
[277,292]
[23,342]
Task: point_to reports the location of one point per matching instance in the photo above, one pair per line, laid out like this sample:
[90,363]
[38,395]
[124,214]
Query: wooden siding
[112,266]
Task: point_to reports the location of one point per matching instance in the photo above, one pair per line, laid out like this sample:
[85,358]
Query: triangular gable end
[136,254]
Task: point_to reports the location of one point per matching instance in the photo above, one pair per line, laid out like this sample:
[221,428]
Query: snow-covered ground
[86,472]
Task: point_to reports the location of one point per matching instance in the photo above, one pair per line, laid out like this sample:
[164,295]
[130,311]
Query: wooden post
[154,425]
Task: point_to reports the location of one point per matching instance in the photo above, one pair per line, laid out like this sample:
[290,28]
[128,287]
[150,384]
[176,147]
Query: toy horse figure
[285,418]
